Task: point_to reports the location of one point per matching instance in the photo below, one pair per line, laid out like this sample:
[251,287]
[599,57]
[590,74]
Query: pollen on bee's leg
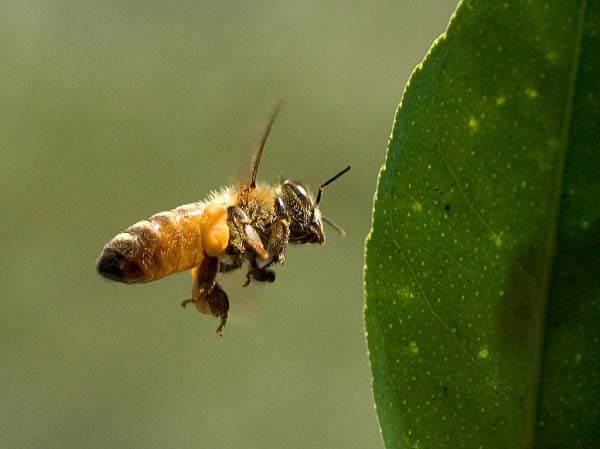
[214,230]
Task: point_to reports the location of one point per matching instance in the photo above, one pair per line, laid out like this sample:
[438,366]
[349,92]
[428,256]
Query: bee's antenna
[329,181]
[263,141]
[334,225]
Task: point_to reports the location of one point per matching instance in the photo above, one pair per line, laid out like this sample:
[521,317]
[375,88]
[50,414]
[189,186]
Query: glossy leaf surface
[482,269]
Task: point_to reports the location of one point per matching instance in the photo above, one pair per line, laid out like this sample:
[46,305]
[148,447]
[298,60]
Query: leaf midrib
[540,351]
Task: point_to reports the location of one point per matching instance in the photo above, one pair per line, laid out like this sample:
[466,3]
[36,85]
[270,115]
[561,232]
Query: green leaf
[483,265]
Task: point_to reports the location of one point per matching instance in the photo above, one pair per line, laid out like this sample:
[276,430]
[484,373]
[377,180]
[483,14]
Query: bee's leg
[237,262]
[219,305]
[280,233]
[260,274]
[247,231]
[207,295]
[203,281]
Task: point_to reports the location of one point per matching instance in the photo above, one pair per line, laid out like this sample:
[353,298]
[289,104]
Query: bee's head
[305,218]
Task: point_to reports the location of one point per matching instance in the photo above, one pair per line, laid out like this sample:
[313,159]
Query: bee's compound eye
[299,190]
[296,190]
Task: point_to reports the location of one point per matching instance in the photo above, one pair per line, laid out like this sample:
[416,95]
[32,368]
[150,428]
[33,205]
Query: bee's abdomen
[166,243]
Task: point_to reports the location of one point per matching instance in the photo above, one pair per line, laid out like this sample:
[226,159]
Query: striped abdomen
[166,243]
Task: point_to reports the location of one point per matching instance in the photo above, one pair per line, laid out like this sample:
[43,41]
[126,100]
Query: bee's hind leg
[219,306]
[208,296]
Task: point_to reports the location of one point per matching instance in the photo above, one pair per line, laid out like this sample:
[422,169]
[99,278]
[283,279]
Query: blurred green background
[111,111]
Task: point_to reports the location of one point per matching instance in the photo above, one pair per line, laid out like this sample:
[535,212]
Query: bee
[250,223]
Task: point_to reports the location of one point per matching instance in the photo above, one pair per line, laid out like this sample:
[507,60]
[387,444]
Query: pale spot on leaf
[484,353]
[413,348]
[531,92]
[473,124]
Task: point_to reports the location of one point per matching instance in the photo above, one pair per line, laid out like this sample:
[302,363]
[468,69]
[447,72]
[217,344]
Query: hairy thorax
[258,205]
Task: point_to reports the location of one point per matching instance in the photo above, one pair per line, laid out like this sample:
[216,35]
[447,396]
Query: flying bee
[250,223]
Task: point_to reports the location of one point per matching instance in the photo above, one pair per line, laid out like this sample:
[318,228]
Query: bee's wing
[261,145]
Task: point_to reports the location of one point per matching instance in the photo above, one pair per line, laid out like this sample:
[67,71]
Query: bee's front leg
[280,233]
[278,241]
[260,274]
[207,295]
[250,236]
